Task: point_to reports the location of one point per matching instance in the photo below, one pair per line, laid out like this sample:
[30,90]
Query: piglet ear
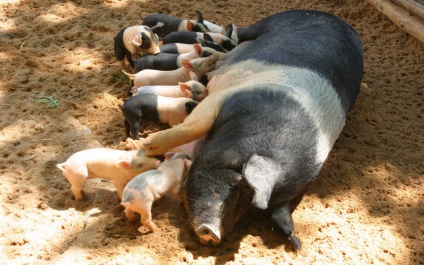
[201,41]
[123,162]
[187,65]
[222,30]
[190,25]
[137,40]
[207,37]
[199,16]
[134,91]
[228,30]
[193,76]
[133,144]
[185,89]
[234,28]
[187,164]
[198,48]
[168,155]
[261,174]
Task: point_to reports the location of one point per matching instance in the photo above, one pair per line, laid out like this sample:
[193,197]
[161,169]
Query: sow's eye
[229,178]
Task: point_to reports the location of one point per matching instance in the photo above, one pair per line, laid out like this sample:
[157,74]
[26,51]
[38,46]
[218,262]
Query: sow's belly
[313,94]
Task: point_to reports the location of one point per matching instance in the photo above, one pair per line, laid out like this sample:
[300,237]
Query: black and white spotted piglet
[170,24]
[140,193]
[170,61]
[171,111]
[132,39]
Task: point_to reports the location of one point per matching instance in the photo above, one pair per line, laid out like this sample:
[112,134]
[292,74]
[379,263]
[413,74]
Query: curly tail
[61,166]
[130,76]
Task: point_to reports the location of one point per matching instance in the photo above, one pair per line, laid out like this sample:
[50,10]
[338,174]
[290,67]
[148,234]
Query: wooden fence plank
[408,22]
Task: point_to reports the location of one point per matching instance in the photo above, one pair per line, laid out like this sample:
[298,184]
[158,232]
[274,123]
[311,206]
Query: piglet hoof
[130,215]
[79,196]
[152,229]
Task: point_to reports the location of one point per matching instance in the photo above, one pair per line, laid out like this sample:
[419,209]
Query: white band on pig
[322,103]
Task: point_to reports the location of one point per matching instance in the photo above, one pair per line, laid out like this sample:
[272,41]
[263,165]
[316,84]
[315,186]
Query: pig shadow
[255,223]
[98,193]
[99,198]
[124,228]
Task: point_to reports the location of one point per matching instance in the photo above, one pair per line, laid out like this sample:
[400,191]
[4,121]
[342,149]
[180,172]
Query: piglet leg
[127,128]
[135,128]
[130,214]
[146,219]
[120,185]
[77,191]
[77,177]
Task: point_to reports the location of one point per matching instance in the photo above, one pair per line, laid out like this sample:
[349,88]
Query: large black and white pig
[276,105]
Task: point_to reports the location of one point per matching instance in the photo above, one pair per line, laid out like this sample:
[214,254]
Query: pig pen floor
[365,208]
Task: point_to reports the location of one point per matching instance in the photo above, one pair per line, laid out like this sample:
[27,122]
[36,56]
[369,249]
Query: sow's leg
[295,202]
[282,218]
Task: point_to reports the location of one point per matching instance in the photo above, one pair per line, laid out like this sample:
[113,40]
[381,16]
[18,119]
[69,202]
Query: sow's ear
[261,173]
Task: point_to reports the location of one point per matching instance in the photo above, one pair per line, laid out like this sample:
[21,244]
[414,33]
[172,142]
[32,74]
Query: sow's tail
[130,76]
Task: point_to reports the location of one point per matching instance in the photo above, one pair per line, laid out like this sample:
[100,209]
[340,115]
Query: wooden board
[416,7]
[406,14]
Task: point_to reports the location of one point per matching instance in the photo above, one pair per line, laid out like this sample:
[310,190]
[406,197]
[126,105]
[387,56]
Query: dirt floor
[366,207]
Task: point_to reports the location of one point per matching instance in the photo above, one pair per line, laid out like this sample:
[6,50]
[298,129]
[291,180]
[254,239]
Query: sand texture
[366,207]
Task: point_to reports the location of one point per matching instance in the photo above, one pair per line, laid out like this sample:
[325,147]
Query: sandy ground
[365,208]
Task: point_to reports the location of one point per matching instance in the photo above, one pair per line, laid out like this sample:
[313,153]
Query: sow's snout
[208,235]
[214,203]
